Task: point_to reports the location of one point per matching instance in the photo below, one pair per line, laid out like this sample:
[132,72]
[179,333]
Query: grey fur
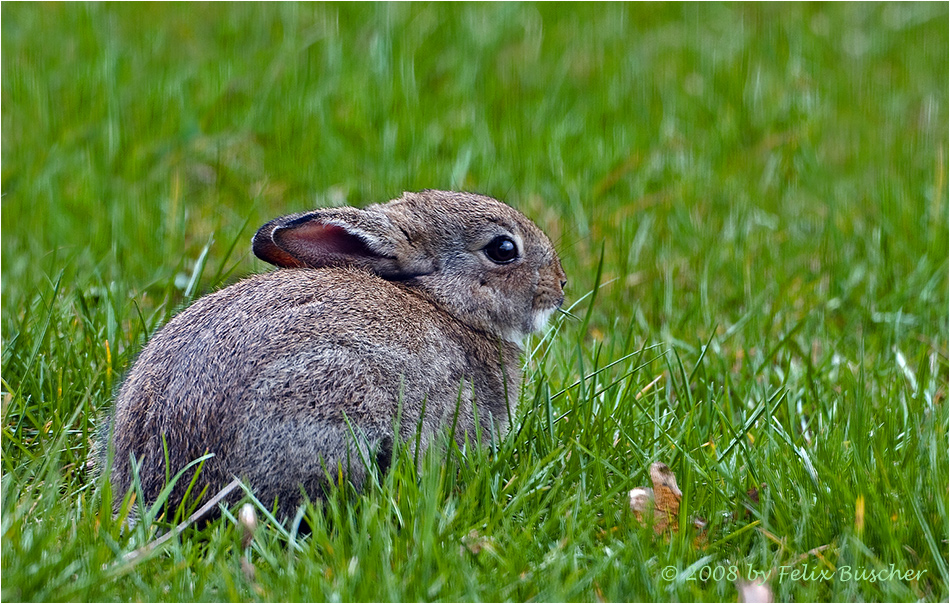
[276,373]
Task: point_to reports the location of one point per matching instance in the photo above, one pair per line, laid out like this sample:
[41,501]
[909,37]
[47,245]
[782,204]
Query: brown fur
[377,313]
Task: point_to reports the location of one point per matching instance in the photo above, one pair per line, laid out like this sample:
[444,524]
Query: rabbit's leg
[311,420]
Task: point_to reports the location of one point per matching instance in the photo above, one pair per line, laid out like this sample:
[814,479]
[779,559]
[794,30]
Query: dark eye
[501,250]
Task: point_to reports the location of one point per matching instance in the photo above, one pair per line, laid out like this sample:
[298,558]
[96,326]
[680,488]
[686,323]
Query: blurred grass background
[765,185]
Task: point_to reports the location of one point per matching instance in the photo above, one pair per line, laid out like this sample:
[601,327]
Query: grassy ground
[751,205]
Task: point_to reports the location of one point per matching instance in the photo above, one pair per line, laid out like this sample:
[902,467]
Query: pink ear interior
[268,251]
[319,244]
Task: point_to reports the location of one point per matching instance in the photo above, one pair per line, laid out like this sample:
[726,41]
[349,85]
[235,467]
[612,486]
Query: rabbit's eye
[501,250]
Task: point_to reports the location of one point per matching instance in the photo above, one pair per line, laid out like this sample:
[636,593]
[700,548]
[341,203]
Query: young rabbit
[402,316]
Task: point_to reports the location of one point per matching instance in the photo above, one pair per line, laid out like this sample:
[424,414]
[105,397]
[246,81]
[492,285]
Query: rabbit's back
[289,375]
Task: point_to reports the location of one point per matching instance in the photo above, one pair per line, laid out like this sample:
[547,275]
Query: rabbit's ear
[268,251]
[339,237]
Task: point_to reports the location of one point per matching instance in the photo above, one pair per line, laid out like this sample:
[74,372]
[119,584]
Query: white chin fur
[516,337]
[540,320]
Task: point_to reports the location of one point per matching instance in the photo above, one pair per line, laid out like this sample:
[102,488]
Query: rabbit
[397,320]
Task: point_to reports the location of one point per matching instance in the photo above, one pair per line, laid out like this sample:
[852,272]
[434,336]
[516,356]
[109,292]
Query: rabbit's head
[472,256]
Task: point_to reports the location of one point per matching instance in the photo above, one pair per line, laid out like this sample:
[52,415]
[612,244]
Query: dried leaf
[753,495]
[700,525]
[641,501]
[662,502]
[476,543]
[666,496]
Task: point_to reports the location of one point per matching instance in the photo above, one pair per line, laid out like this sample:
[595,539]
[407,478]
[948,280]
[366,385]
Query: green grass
[764,185]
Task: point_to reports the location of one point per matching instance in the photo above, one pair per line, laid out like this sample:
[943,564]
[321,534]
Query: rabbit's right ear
[335,237]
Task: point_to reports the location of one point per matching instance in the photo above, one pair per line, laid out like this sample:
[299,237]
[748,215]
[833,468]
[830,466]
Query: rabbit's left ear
[268,251]
[334,237]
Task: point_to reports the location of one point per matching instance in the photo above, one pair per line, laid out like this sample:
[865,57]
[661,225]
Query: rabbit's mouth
[548,298]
